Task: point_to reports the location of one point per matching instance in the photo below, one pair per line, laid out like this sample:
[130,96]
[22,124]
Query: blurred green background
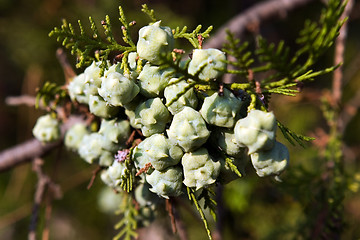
[254,208]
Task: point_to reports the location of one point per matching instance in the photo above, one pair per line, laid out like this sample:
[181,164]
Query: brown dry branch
[253,16]
[144,169]
[337,87]
[339,55]
[93,177]
[170,209]
[180,226]
[26,151]
[66,66]
[44,185]
[21,100]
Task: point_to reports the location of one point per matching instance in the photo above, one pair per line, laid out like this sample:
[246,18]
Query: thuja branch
[91,47]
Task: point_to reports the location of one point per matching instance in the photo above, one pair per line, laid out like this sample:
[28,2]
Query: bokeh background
[254,208]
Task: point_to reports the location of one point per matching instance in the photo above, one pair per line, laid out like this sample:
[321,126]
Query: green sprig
[283,70]
[230,164]
[128,223]
[292,136]
[128,178]
[149,12]
[50,93]
[192,37]
[91,47]
[208,195]
[240,52]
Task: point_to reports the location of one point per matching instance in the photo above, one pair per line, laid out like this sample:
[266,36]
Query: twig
[339,55]
[66,66]
[349,110]
[170,209]
[253,16]
[337,87]
[20,100]
[180,226]
[144,169]
[94,174]
[25,152]
[44,182]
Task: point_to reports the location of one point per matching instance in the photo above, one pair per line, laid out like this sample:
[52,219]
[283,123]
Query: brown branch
[44,183]
[339,55]
[252,17]
[144,169]
[66,66]
[169,208]
[25,152]
[180,226]
[349,110]
[93,177]
[20,100]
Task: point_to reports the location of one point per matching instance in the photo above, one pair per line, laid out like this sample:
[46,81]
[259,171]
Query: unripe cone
[167,183]
[188,129]
[99,107]
[77,90]
[200,170]
[222,111]
[74,136]
[91,147]
[153,116]
[209,62]
[271,162]
[153,80]
[117,90]
[144,196]
[47,129]
[256,131]
[116,131]
[116,170]
[140,159]
[224,139]
[160,152]
[188,98]
[92,79]
[154,40]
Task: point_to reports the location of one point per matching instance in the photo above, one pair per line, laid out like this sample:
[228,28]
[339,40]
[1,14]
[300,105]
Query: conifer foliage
[167,126]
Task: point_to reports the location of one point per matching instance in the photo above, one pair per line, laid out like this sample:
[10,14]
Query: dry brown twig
[25,152]
[44,185]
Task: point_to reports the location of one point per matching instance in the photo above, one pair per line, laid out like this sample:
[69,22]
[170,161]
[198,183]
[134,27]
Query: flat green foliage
[92,47]
[50,93]
[241,53]
[284,71]
[230,163]
[128,178]
[149,12]
[288,69]
[128,222]
[192,37]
